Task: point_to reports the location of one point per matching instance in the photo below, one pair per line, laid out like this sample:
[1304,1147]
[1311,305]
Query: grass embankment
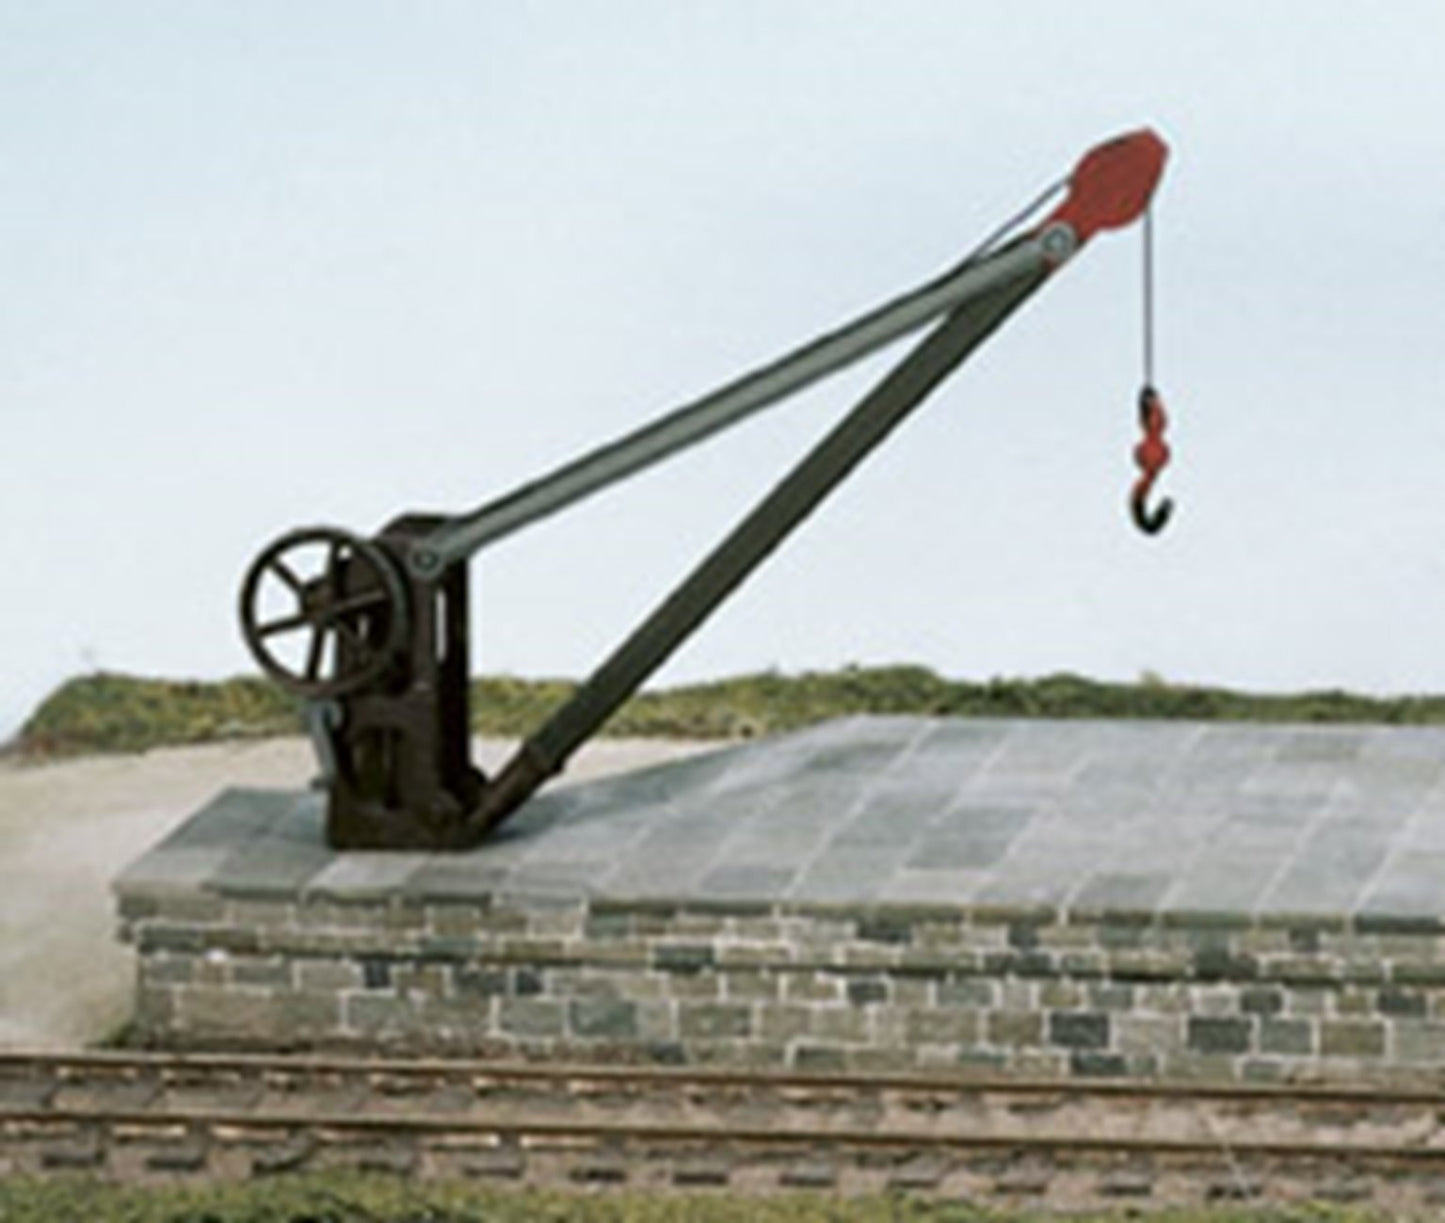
[120,713]
[347,1198]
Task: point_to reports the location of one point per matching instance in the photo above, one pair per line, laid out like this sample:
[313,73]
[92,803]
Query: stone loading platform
[1165,900]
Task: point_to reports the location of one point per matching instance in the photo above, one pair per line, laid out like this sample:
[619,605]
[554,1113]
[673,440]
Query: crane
[372,632]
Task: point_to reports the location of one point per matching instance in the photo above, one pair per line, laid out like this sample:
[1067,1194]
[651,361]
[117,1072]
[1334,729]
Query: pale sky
[269,264]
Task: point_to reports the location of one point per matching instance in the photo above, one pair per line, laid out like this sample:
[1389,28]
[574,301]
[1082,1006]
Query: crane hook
[1151,455]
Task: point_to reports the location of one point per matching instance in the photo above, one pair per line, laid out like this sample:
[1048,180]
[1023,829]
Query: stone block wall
[1036,992]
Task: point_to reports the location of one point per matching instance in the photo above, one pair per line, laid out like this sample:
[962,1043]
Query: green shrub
[107,712]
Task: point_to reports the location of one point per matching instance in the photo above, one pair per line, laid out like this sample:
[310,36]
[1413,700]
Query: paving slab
[1090,815]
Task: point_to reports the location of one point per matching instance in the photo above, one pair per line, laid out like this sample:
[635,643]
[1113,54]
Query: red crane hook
[1151,455]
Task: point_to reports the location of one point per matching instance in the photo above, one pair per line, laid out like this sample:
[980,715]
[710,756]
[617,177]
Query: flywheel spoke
[284,571]
[283,625]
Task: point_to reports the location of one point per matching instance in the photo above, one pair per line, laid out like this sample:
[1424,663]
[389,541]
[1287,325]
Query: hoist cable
[1149,296]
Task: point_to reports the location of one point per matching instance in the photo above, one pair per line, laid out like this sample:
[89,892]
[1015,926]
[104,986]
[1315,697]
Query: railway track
[138,1115]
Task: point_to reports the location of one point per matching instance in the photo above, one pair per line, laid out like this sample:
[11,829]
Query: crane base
[1162,900]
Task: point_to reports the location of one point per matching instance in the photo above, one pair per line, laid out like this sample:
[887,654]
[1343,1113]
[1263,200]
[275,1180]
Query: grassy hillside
[120,713]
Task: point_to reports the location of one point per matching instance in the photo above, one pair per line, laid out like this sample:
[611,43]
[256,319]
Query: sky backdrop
[272,263]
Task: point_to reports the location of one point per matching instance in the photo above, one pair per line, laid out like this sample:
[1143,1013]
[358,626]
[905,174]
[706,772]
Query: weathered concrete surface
[67,829]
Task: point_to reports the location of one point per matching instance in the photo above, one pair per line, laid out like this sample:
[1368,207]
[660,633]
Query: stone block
[1067,938]
[939,934]
[1352,1038]
[533,951]
[1039,1063]
[1078,1029]
[227,1014]
[1302,970]
[884,928]
[1215,1000]
[910,991]
[190,908]
[1222,964]
[321,974]
[156,1010]
[1112,936]
[1024,935]
[1308,1001]
[530,1017]
[1210,1034]
[1061,995]
[1144,965]
[976,1058]
[1354,1001]
[839,1025]
[778,1025]
[1428,975]
[165,968]
[814,986]
[1031,964]
[864,991]
[873,955]
[375,972]
[1305,940]
[379,1015]
[683,958]
[870,1059]
[600,926]
[978,993]
[449,947]
[306,1015]
[749,986]
[818,1059]
[1145,1034]
[698,987]
[1087,1063]
[1109,996]
[1419,1040]
[713,1021]
[636,984]
[1083,965]
[482,981]
[1014,1028]
[1292,1037]
[463,921]
[528,982]
[602,1019]
[1261,1000]
[942,1027]
[921,965]
[414,980]
[656,1021]
[1401,1003]
[272,972]
[1263,1070]
[157,936]
[754,954]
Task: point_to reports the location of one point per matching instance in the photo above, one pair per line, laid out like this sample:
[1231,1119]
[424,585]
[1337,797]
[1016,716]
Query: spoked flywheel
[323,611]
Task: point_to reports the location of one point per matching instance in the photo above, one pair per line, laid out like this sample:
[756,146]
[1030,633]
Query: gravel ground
[67,828]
